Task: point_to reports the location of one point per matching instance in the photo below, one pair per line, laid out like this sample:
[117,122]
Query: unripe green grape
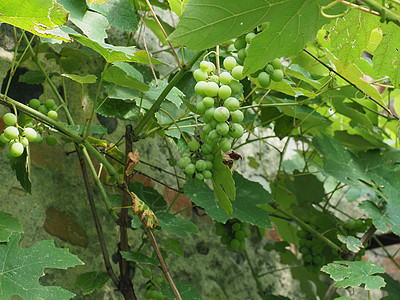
[225,77]
[190,169]
[239,235]
[235,244]
[213,135]
[204,65]
[213,122]
[209,114]
[211,89]
[50,103]
[199,177]
[242,245]
[304,250]
[200,75]
[209,164]
[351,225]
[276,63]
[51,140]
[10,119]
[183,162]
[24,141]
[187,154]
[219,229]
[308,258]
[229,63]
[302,234]
[277,75]
[11,132]
[225,239]
[172,161]
[236,226]
[206,148]
[237,116]
[317,260]
[225,145]
[237,73]
[200,165]
[208,102]
[207,174]
[211,68]
[246,231]
[242,54]
[224,92]
[207,129]
[52,114]
[264,80]
[194,145]
[221,114]
[200,87]
[4,139]
[236,130]
[249,37]
[309,243]
[214,78]
[222,128]
[200,107]
[316,249]
[269,69]
[34,103]
[17,149]
[232,104]
[43,109]
[240,43]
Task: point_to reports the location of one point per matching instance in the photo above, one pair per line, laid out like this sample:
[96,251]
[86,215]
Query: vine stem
[156,106]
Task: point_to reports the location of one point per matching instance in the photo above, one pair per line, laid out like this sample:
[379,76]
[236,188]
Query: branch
[383,11]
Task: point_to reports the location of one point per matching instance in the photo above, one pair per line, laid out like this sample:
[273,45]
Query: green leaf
[347,109]
[306,187]
[177,226]
[355,273]
[352,243]
[392,288]
[118,76]
[354,141]
[139,258]
[32,77]
[119,13]
[153,26]
[150,196]
[300,73]
[187,291]
[22,170]
[173,245]
[118,108]
[155,90]
[90,281]
[116,53]
[8,225]
[20,269]
[386,56]
[177,6]
[246,207]
[81,79]
[38,17]
[223,184]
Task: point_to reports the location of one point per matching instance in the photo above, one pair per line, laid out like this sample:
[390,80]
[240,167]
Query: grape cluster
[311,249]
[233,234]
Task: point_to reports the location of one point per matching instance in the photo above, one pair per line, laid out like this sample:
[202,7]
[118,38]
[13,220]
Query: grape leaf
[22,170]
[173,245]
[32,77]
[90,281]
[21,268]
[177,6]
[386,56]
[306,187]
[81,79]
[117,108]
[119,76]
[355,273]
[352,243]
[139,258]
[150,196]
[187,291]
[8,225]
[36,16]
[177,226]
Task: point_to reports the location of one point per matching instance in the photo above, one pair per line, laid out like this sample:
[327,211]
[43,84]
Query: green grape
[236,130]
[276,63]
[246,231]
[229,63]
[277,75]
[52,114]
[236,226]
[237,116]
[213,122]
[269,69]
[302,242]
[237,73]
[213,135]
[172,161]
[240,43]
[219,229]
[16,149]
[225,77]
[242,245]
[194,145]
[214,78]
[249,37]
[316,249]
[34,103]
[211,68]
[24,141]
[43,109]
[199,177]
[190,169]
[51,140]
[200,107]
[10,119]
[208,102]
[317,260]
[302,234]
[235,244]
[229,248]
[221,114]
[4,139]
[224,92]
[264,79]
[232,104]
[239,235]
[206,148]
[50,103]
[242,54]
[211,89]
[146,273]
[200,87]
[30,134]
[222,128]
[351,225]
[209,163]
[207,174]
[308,258]
[209,114]
[236,87]
[207,129]
[225,239]
[225,145]
[204,65]
[304,250]
[200,75]
[201,165]
[309,243]
[11,132]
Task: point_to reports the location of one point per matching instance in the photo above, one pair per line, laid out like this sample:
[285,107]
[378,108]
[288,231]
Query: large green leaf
[187,291]
[178,6]
[37,16]
[81,79]
[355,273]
[177,226]
[90,281]
[20,269]
[119,76]
[8,225]
[150,196]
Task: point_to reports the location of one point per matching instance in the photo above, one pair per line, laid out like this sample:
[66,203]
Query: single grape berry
[50,103]
[199,177]
[249,37]
[211,89]
[236,87]
[24,141]
[277,75]
[235,244]
[52,114]
[38,139]
[200,75]
[237,116]
[264,79]
[214,78]
[30,134]
[208,102]
[200,165]
[242,54]
[10,119]
[269,69]
[225,145]
[236,226]
[51,140]
[3,139]
[34,103]
[183,162]
[221,114]
[209,163]
[204,65]
[43,109]
[194,145]
[209,114]
[11,132]
[225,77]
[17,149]
[190,169]
[237,73]
[219,229]
[276,63]
[240,43]
[211,67]
[232,104]
[236,130]
[200,87]
[222,128]
[229,63]
[200,107]
[224,92]
[207,174]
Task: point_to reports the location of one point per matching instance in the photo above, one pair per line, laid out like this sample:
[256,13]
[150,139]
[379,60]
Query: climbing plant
[320,77]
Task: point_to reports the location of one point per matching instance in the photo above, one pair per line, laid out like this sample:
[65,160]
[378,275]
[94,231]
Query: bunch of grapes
[233,234]
[311,249]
